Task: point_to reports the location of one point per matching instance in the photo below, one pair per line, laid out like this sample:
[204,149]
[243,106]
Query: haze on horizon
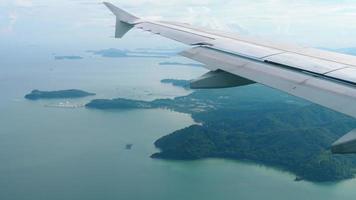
[83,24]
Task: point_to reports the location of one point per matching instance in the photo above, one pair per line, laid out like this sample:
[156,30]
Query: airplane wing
[322,77]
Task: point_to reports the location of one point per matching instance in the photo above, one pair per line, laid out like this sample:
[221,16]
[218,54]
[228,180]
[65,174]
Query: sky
[87,24]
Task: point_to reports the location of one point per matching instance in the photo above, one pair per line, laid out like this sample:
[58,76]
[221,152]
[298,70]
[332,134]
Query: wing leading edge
[325,78]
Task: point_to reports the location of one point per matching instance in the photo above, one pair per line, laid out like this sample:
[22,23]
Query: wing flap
[321,91]
[328,55]
[244,48]
[345,74]
[305,63]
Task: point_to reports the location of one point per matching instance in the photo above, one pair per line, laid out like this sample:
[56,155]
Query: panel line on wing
[275,64]
[180,35]
[294,50]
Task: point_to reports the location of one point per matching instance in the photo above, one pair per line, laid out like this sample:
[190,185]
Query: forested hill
[258,124]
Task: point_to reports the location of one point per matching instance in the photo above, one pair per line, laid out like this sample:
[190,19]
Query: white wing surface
[322,77]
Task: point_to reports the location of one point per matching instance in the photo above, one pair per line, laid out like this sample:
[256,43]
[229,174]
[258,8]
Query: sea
[54,152]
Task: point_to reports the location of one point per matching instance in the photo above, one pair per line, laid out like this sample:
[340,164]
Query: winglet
[124,20]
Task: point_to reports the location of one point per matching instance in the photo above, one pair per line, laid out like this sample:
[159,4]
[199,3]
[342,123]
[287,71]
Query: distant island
[60,94]
[68,57]
[124,53]
[182,64]
[256,124]
[350,51]
[178,83]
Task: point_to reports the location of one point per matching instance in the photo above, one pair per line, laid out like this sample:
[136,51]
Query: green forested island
[119,103]
[256,124]
[60,94]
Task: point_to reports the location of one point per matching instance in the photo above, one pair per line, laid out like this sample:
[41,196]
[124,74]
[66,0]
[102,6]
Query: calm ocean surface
[58,153]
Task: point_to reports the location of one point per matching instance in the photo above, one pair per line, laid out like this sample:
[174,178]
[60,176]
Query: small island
[177,83]
[181,64]
[68,57]
[128,146]
[124,53]
[60,94]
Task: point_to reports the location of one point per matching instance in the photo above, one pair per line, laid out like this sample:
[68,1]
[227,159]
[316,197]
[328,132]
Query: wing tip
[121,14]
[124,20]
[111,6]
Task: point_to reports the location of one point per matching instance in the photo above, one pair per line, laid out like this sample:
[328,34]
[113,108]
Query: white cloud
[315,22]
[164,3]
[12,18]
[24,3]
[203,16]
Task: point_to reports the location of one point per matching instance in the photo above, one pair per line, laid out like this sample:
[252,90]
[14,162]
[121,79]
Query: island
[124,53]
[177,83]
[119,103]
[254,124]
[128,146]
[60,94]
[181,64]
[68,57]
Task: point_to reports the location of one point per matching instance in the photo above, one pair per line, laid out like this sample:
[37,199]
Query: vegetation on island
[119,103]
[60,94]
[256,124]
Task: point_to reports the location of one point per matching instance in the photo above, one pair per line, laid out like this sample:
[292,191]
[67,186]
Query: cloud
[315,22]
[168,3]
[203,16]
[310,22]
[24,3]
[12,19]
[12,10]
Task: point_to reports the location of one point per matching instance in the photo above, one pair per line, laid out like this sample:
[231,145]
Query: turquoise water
[58,153]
